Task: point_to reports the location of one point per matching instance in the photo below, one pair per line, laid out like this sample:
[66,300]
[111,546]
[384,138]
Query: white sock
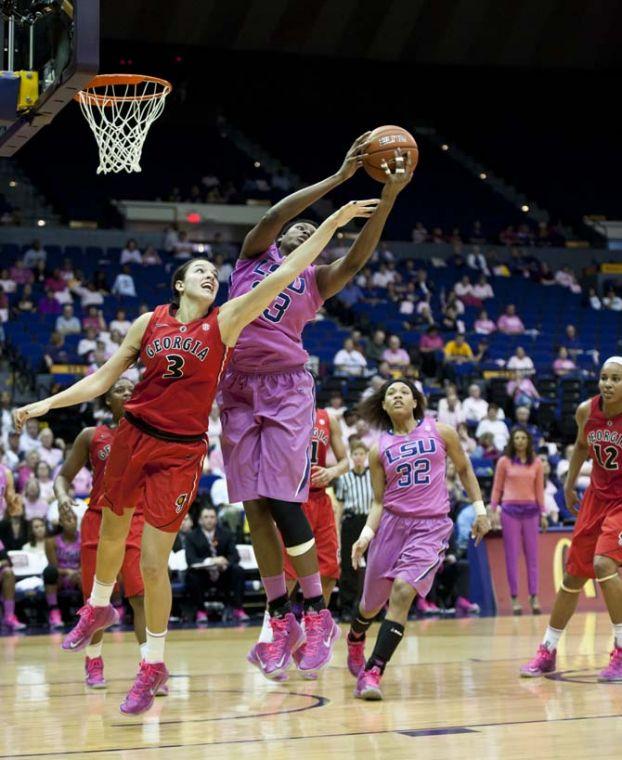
[94,650]
[101,593]
[154,648]
[617,634]
[265,635]
[143,650]
[552,637]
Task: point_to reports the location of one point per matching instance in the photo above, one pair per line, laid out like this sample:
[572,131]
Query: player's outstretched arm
[323,476]
[580,453]
[239,312]
[76,460]
[464,470]
[332,278]
[94,385]
[265,231]
[378,482]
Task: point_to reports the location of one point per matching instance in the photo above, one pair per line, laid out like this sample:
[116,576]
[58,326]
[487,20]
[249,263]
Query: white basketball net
[120,116]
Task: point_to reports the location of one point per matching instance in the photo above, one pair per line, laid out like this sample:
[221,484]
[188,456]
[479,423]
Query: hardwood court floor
[452,691]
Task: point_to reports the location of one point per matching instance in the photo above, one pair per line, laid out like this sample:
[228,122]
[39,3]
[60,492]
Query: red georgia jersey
[320,441]
[183,364]
[98,456]
[604,439]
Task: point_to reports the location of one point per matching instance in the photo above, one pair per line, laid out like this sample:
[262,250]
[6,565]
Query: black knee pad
[50,575]
[291,522]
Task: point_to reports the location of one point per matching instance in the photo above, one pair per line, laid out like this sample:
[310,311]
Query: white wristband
[367,534]
[480,509]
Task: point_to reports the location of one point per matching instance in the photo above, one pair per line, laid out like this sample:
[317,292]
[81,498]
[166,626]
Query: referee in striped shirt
[355,495]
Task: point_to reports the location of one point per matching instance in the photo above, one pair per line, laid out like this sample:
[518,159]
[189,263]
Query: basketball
[383,142]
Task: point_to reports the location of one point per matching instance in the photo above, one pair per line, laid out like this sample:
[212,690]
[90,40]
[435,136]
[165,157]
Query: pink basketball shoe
[12,622]
[356,656]
[321,632]
[149,680]
[542,663]
[94,669]
[92,619]
[613,671]
[368,684]
[54,619]
[274,657]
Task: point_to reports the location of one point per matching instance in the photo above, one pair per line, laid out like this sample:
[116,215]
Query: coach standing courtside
[355,494]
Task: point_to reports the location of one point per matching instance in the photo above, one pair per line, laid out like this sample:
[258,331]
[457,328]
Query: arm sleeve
[498,483]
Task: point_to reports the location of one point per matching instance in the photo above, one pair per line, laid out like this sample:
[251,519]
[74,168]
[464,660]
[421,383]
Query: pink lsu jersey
[273,342]
[414,467]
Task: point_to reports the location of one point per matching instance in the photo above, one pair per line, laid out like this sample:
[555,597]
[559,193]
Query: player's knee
[50,575]
[152,567]
[402,594]
[257,513]
[604,566]
[292,524]
[572,582]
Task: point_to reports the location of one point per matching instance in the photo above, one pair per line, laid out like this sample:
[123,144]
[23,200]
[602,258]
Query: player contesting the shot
[267,407]
[157,455]
[596,548]
[408,526]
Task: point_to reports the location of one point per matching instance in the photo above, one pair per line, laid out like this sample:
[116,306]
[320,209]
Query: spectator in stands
[563,364]
[522,415]
[545,276]
[437,237]
[518,494]
[56,282]
[567,279]
[151,257]
[474,406]
[183,248]
[395,355]
[450,321]
[94,319]
[12,453]
[120,322]
[458,351]
[486,448]
[56,352]
[522,391]
[348,361]
[551,508]
[4,306]
[509,322]
[131,253]
[20,274]
[612,301]
[594,300]
[382,277]
[563,465]
[79,506]
[171,237]
[63,570]
[450,409]
[213,560]
[100,280]
[14,526]
[483,324]
[407,303]
[419,233]
[48,304]
[29,439]
[482,289]
[6,420]
[186,527]
[431,345]
[35,254]
[26,303]
[453,301]
[223,268]
[37,533]
[464,292]
[422,286]
[89,295]
[377,346]
[476,260]
[124,284]
[521,363]
[43,476]
[87,344]
[67,323]
[345,300]
[491,424]
[34,504]
[48,453]
[8,285]
[7,590]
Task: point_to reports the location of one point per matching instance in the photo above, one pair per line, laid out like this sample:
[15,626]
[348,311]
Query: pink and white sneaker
[94,669]
[92,619]
[368,684]
[12,622]
[54,619]
[321,633]
[201,617]
[613,671]
[150,678]
[239,616]
[356,656]
[465,607]
[542,663]
[274,657]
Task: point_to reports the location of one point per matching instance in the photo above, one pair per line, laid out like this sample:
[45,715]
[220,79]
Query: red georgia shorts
[598,530]
[319,512]
[163,476]
[130,570]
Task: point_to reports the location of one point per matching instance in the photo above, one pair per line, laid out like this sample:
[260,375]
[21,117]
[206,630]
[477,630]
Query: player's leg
[7,586]
[89,536]
[530,527]
[511,528]
[608,578]
[50,584]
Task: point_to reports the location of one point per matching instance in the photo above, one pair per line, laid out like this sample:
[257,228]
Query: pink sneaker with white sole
[274,657]
[321,633]
[613,671]
[368,684]
[149,680]
[12,622]
[542,663]
[94,669]
[92,619]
